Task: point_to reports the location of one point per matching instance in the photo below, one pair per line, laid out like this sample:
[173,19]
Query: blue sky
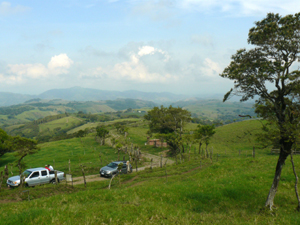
[178,46]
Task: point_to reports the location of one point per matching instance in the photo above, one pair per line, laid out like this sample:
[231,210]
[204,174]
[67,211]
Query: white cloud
[211,68]
[136,68]
[242,7]
[165,9]
[58,64]
[146,50]
[202,69]
[6,9]
[29,70]
[9,79]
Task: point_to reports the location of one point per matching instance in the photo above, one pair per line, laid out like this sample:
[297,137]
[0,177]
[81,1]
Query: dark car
[112,169]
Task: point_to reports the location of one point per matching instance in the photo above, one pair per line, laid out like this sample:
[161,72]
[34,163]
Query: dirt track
[96,177]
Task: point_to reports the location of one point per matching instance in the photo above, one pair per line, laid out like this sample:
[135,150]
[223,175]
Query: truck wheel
[52,181]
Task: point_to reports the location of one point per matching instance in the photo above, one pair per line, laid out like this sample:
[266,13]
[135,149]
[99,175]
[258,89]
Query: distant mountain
[88,94]
[7,98]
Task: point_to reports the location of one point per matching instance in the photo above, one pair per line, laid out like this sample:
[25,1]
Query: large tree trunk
[285,151]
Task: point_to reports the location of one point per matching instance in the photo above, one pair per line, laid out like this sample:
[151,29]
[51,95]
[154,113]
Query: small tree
[23,147]
[203,134]
[174,142]
[102,132]
[168,123]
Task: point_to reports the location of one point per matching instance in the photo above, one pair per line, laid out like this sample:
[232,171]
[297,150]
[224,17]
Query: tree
[167,120]
[188,139]
[102,132]
[23,147]
[80,133]
[168,123]
[276,43]
[174,142]
[198,137]
[203,134]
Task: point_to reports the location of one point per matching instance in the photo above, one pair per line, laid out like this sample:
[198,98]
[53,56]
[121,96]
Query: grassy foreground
[230,189]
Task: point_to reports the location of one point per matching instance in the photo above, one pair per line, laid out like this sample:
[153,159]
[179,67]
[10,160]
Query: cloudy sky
[178,46]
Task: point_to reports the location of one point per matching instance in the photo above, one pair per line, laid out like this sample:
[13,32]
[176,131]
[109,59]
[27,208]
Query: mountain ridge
[89,94]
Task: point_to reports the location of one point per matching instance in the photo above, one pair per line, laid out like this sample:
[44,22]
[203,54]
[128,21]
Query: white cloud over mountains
[147,64]
[59,64]
[143,65]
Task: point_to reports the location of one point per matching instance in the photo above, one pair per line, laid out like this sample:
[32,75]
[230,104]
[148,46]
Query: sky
[177,46]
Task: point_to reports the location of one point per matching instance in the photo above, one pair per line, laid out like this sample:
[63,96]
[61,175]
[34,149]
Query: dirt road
[155,163]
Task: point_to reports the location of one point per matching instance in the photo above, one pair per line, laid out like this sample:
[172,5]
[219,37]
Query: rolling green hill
[38,108]
[230,189]
[216,109]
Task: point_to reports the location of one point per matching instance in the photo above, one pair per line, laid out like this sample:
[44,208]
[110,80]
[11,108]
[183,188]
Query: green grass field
[230,189]
[63,123]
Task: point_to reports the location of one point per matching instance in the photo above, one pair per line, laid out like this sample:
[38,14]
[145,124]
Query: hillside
[230,189]
[216,109]
[35,109]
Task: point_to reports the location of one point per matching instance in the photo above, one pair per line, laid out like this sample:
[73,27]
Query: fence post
[253,152]
[69,166]
[151,163]
[161,161]
[82,170]
[136,166]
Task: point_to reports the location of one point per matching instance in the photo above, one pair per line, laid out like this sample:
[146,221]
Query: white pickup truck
[36,176]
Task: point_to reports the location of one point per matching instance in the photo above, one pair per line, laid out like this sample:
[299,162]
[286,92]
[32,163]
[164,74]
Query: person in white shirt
[50,167]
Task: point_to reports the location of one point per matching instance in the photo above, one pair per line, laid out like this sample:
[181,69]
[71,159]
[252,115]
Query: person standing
[51,168]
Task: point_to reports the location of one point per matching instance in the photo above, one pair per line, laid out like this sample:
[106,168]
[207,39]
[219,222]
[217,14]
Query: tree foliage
[23,147]
[267,71]
[102,132]
[168,123]
[203,134]
[165,120]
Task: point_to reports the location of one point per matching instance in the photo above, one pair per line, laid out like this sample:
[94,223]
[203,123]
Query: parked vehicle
[35,177]
[112,169]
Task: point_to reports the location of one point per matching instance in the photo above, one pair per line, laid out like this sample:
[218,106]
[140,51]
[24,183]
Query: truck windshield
[26,173]
[112,165]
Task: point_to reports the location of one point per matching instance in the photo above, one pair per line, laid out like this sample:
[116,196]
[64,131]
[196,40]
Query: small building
[156,142]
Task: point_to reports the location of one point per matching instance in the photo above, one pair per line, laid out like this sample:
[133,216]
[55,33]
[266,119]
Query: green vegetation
[230,188]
